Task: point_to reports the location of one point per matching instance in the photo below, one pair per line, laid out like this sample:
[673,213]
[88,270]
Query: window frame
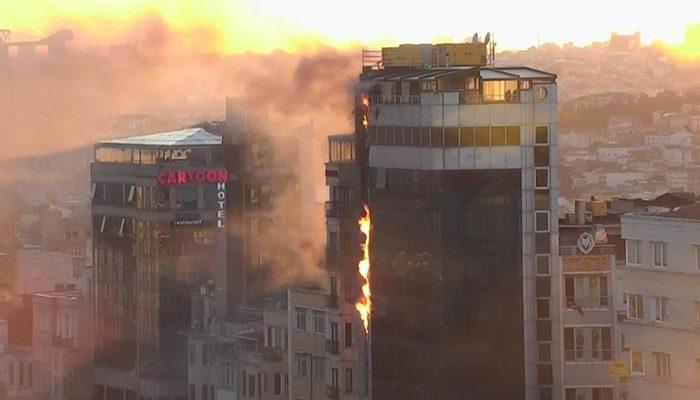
[548,227]
[661,309]
[322,315]
[662,365]
[663,247]
[298,311]
[631,362]
[639,312]
[637,252]
[548,184]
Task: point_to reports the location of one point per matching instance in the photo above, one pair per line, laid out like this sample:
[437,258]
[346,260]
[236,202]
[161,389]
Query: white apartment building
[657,295]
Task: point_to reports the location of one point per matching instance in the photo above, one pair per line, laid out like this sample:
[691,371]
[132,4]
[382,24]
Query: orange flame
[365,111]
[364,305]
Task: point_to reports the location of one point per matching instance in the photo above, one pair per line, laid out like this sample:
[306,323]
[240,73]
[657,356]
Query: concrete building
[658,304]
[460,164]
[16,353]
[587,259]
[63,345]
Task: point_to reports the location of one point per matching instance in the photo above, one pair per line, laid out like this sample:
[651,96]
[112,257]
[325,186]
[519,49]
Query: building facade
[460,167]
[658,304]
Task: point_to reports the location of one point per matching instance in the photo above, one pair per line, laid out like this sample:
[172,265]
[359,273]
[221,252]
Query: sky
[235,26]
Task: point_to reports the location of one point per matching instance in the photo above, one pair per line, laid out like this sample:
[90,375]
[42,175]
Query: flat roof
[185,137]
[486,72]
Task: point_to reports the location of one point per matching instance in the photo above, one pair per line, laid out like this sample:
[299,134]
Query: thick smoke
[53,108]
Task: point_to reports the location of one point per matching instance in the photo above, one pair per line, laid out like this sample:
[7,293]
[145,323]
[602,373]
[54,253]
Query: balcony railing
[587,356]
[412,99]
[332,301]
[587,303]
[599,249]
[332,346]
[272,354]
[333,392]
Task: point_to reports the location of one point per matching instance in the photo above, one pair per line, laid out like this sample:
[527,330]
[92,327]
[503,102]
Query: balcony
[588,303]
[332,301]
[599,249]
[412,99]
[332,346]
[272,354]
[332,392]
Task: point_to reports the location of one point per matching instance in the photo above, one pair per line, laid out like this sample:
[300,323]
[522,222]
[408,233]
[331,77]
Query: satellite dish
[487,38]
[475,38]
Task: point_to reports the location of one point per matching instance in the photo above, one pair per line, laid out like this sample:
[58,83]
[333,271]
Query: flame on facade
[364,305]
[365,111]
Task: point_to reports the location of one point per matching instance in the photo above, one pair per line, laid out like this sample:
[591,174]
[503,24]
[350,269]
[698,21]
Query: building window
[596,393]
[301,317]
[205,392]
[193,392]
[659,254]
[348,334]
[634,252]
[320,369]
[635,305]
[186,198]
[451,137]
[588,344]
[637,362]
[513,135]
[545,393]
[251,385]
[466,136]
[543,309]
[660,309]
[542,135]
[483,136]
[544,352]
[662,361]
[585,292]
[498,136]
[541,221]
[348,380]
[277,384]
[319,322]
[302,367]
[542,156]
[542,178]
[542,261]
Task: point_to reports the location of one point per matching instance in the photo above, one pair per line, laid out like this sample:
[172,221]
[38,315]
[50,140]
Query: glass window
[348,334]
[186,197]
[659,254]
[541,221]
[634,251]
[348,380]
[541,135]
[451,137]
[541,156]
[320,368]
[637,362]
[661,309]
[466,136]
[541,93]
[162,197]
[543,309]
[483,136]
[415,137]
[425,137]
[398,136]
[302,367]
[542,261]
[436,139]
[635,305]
[301,317]
[513,135]
[542,200]
[544,352]
[319,322]
[541,178]
[662,362]
[390,136]
[381,135]
[498,136]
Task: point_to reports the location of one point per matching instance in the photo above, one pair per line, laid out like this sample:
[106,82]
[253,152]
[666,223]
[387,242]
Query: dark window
[542,308]
[541,135]
[541,156]
[542,261]
[513,135]
[348,334]
[451,137]
[114,194]
[186,197]
[541,178]
[193,392]
[543,287]
[544,374]
[482,136]
[348,380]
[436,139]
[570,394]
[162,197]
[546,393]
[390,136]
[602,394]
[542,243]
[544,330]
[466,136]
[210,197]
[425,137]
[277,384]
[381,135]
[498,136]
[372,135]
[205,393]
[398,136]
[415,137]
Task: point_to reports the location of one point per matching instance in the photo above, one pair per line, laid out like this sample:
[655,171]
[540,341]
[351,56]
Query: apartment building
[658,304]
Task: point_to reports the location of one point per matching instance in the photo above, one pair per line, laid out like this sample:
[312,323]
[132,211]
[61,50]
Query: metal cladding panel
[498,157]
[498,114]
[435,115]
[513,157]
[467,158]
[466,115]
[452,158]
[437,161]
[483,157]
[451,115]
[542,113]
[482,115]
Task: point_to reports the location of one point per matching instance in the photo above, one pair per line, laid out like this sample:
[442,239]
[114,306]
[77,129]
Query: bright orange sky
[235,26]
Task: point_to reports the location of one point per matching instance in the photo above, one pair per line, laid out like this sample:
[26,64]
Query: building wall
[677,335]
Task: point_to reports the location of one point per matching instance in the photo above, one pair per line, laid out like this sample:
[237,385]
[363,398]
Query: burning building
[456,159]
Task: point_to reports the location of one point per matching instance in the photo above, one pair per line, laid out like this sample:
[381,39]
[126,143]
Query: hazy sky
[263,25]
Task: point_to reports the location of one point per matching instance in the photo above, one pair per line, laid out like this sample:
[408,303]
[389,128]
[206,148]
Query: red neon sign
[194,176]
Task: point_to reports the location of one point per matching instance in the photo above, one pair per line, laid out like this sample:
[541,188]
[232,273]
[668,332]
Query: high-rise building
[458,163]
[159,205]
